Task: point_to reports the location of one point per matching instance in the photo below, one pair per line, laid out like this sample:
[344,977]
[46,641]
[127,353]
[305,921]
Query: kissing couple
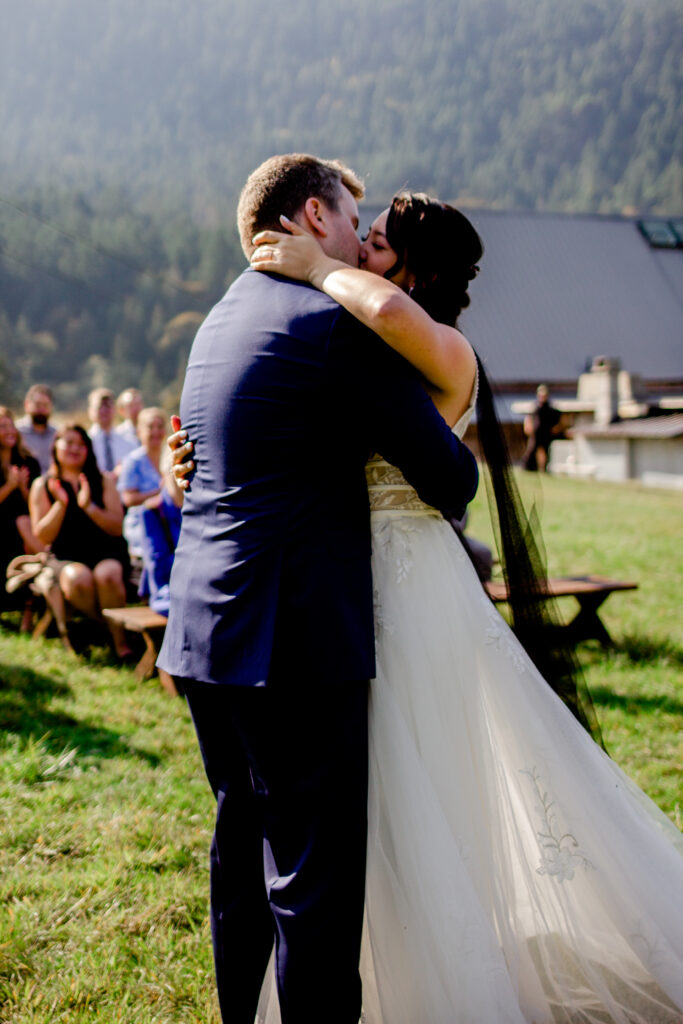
[410,821]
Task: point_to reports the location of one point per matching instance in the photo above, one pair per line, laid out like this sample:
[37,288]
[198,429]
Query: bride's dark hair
[439,245]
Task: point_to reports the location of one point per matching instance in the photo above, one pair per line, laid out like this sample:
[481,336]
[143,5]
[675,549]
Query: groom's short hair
[282,184]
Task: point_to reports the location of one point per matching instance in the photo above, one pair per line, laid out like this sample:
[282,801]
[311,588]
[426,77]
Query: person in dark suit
[271,618]
[541,426]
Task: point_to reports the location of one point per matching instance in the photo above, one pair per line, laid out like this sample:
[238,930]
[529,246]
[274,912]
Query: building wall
[657,459]
[610,456]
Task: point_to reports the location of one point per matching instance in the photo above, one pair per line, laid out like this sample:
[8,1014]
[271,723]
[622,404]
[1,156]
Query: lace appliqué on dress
[560,853]
[393,537]
[382,623]
[500,636]
[389,490]
[392,541]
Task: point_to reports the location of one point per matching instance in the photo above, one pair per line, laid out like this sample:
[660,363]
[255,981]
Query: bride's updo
[438,244]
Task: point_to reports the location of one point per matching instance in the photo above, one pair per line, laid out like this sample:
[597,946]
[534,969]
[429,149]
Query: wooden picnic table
[590,592]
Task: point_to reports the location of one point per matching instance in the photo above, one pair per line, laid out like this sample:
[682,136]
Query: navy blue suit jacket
[285,397]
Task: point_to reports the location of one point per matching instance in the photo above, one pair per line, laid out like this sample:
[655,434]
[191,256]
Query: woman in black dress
[77,512]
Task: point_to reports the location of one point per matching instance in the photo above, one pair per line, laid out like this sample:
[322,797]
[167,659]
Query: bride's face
[377,256]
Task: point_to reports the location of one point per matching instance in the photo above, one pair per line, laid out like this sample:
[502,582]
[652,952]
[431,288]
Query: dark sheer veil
[534,617]
[442,249]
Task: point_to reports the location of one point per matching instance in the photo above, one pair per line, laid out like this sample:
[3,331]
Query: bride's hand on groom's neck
[293,252]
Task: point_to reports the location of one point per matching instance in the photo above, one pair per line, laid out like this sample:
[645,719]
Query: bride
[515,874]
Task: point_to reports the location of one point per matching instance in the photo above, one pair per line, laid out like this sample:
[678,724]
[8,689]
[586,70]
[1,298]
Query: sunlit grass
[106,814]
[105,832]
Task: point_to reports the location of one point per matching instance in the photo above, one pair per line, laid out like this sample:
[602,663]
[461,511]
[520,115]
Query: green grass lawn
[106,821]
[634,533]
[106,816]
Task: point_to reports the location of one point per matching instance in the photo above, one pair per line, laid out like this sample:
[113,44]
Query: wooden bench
[144,620]
[590,591]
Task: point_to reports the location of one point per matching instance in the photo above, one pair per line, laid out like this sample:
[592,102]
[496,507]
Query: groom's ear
[313,217]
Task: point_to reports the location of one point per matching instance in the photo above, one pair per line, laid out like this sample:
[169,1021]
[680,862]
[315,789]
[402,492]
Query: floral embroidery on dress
[382,623]
[516,653]
[560,853]
[402,536]
[393,537]
[650,950]
[494,636]
[500,636]
[381,473]
[389,490]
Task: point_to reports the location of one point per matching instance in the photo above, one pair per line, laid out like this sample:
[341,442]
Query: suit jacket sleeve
[401,421]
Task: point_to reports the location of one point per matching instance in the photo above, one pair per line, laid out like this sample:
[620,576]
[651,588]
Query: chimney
[600,387]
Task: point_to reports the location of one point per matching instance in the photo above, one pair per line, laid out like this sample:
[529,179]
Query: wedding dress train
[515,874]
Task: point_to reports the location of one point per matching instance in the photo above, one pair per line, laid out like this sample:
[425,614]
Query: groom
[271,619]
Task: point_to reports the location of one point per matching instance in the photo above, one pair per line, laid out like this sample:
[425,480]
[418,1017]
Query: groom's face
[341,241]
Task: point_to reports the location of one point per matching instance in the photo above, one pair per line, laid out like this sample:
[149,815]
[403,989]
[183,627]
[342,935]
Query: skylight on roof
[662,234]
[677,225]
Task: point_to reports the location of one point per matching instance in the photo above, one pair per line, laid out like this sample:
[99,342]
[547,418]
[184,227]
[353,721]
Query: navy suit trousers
[288,767]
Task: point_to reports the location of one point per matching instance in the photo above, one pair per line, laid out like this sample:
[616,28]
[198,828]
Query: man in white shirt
[110,448]
[128,406]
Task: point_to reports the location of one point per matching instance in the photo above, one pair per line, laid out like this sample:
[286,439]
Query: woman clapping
[76,511]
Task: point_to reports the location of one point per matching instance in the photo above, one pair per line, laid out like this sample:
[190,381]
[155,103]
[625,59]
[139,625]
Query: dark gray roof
[655,428]
[555,290]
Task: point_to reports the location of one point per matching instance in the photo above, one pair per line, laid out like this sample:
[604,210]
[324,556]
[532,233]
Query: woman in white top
[141,477]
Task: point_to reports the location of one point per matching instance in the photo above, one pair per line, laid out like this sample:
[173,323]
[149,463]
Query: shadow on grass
[604,697]
[90,640]
[640,649]
[25,696]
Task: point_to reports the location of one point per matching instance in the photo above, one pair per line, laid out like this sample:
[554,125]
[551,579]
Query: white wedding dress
[515,874]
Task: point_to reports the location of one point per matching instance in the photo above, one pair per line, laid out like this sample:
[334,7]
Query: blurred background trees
[128,129]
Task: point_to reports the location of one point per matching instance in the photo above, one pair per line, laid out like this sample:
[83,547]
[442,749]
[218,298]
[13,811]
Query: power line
[56,274]
[101,250]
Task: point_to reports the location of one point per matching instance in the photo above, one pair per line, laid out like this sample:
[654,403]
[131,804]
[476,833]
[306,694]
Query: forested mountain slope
[527,103]
[127,129]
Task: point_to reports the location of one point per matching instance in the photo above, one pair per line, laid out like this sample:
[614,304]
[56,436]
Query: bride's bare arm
[442,354]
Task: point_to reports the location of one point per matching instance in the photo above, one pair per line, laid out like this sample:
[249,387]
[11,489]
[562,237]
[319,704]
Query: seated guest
[76,510]
[110,448]
[140,477]
[128,406]
[36,431]
[160,531]
[18,469]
